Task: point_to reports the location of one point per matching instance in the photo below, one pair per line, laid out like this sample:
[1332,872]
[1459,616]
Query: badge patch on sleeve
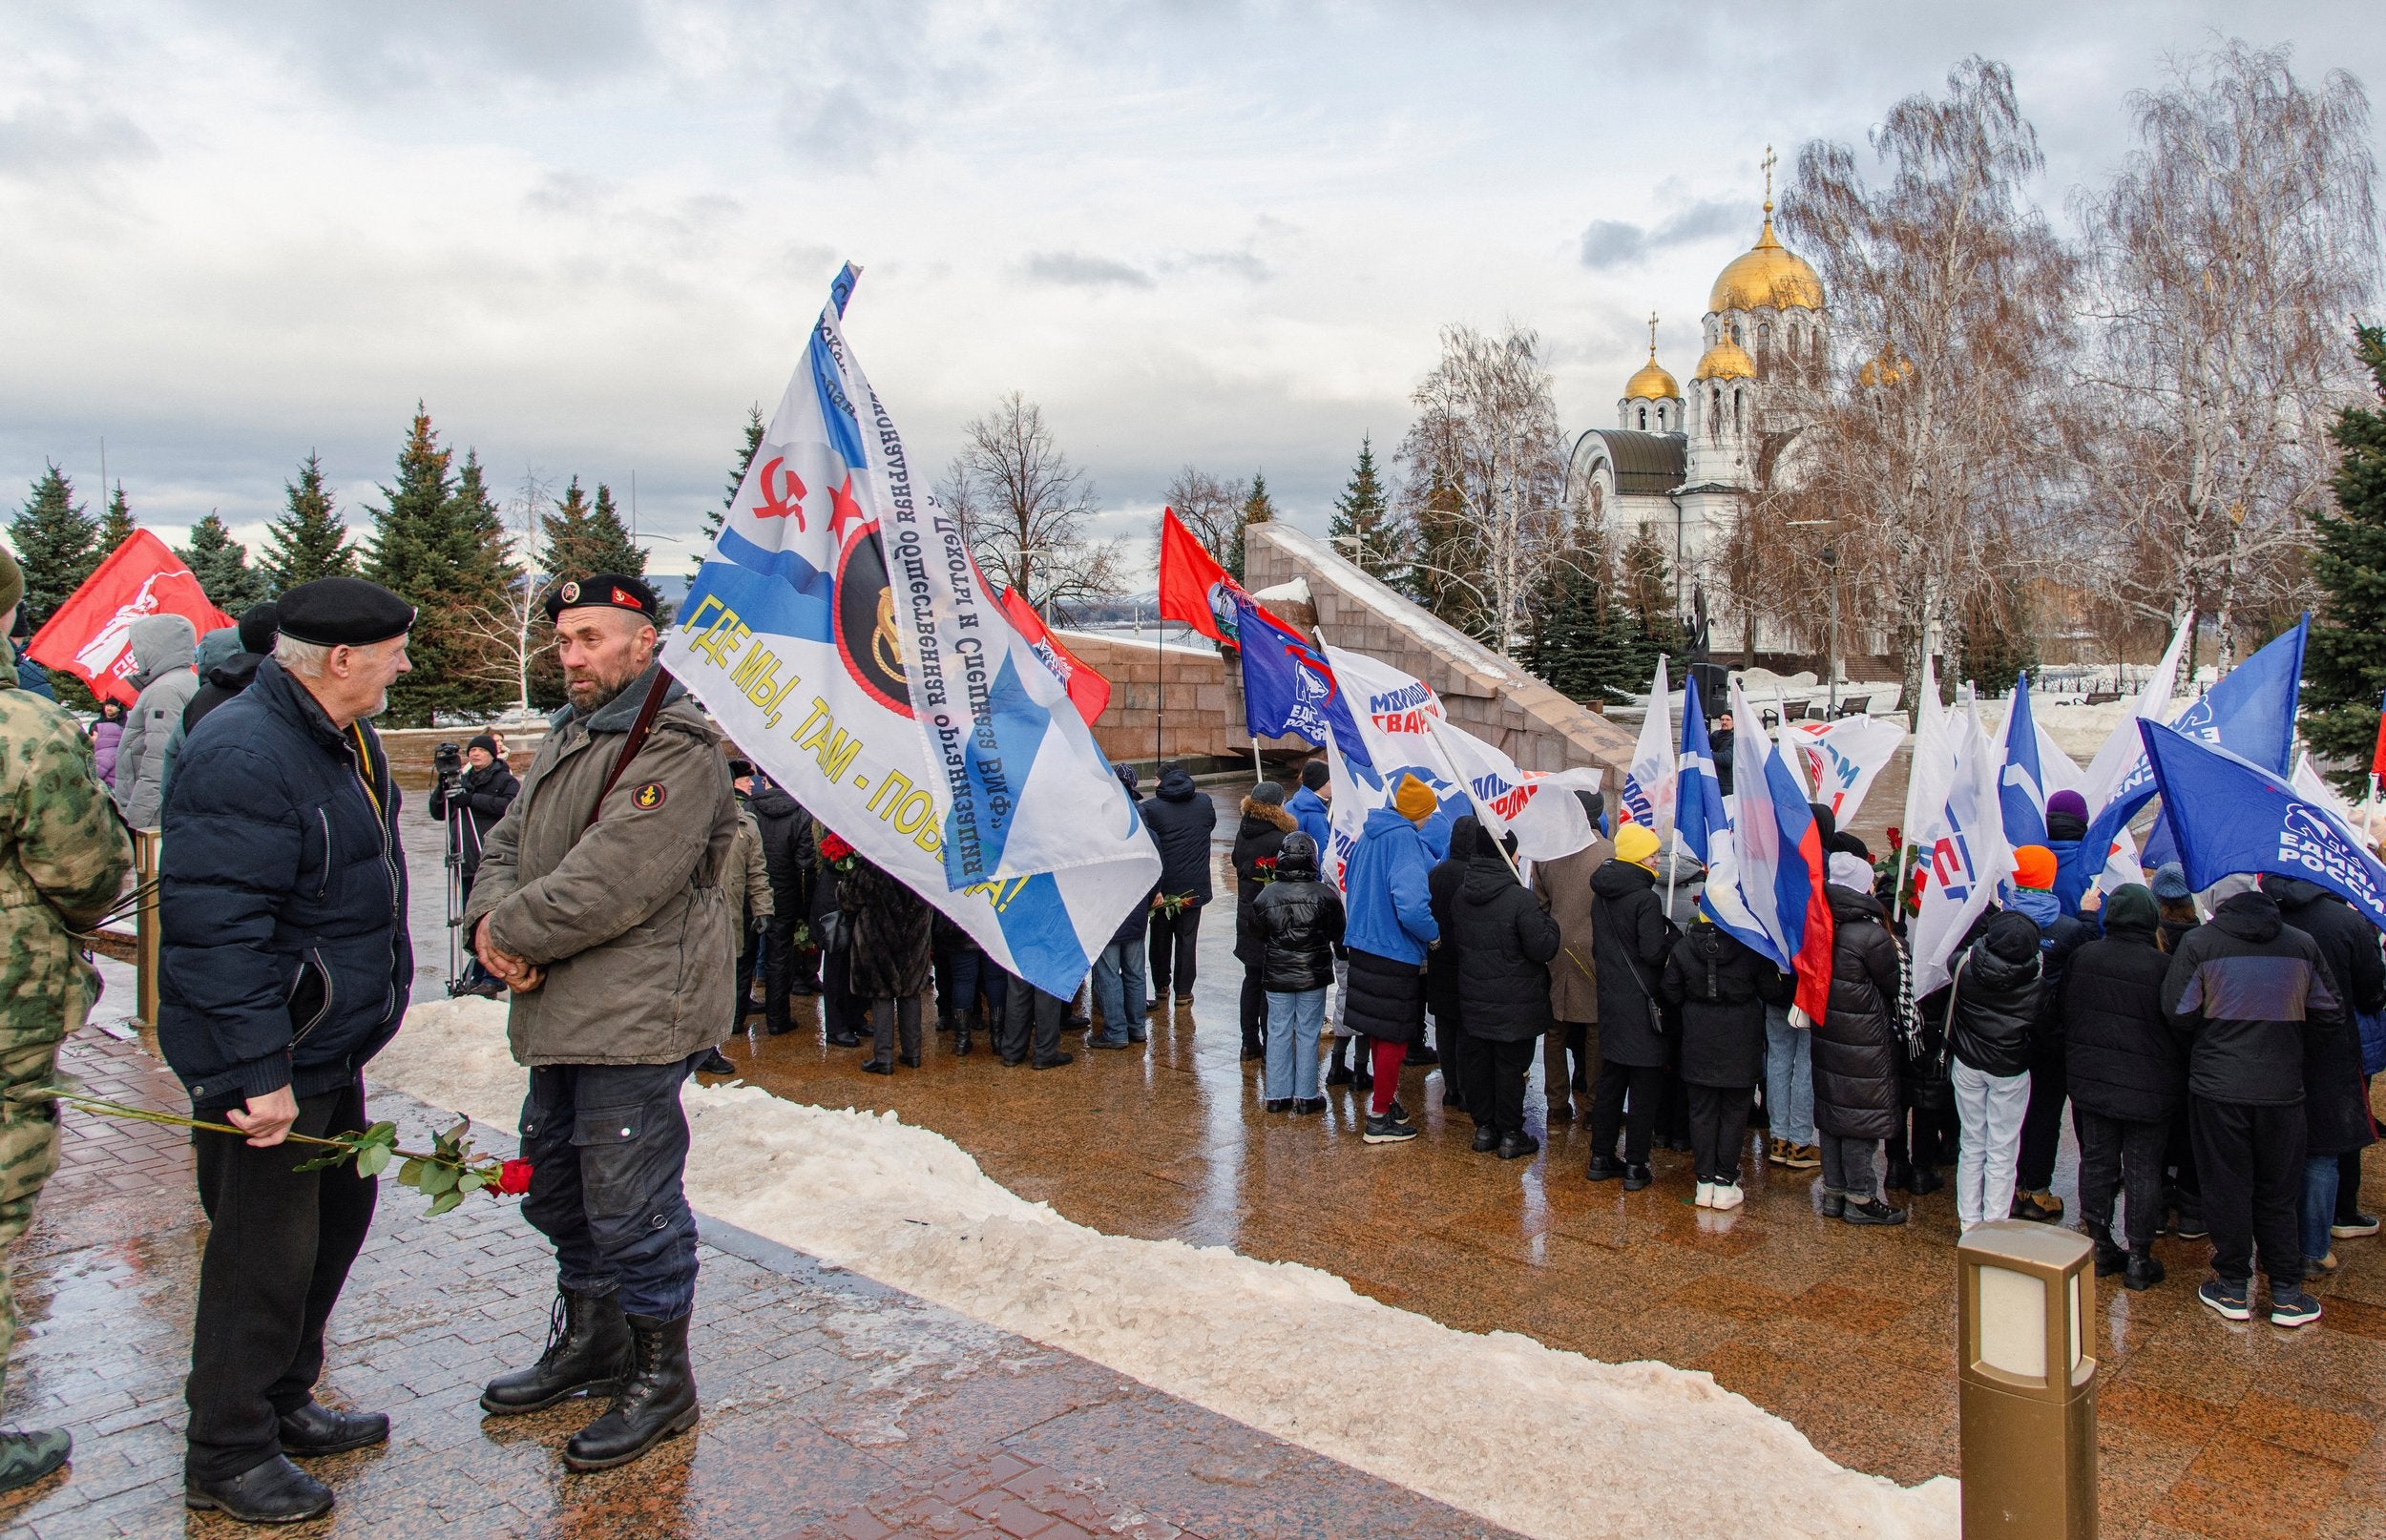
[647,798]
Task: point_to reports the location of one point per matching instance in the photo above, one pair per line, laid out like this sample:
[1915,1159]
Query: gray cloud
[1616,242]
[50,139]
[1076,270]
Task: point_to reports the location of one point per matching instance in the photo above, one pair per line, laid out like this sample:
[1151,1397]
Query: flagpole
[1160,684]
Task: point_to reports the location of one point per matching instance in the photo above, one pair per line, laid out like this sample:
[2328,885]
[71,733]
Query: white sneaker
[1728,1195]
[1707,1195]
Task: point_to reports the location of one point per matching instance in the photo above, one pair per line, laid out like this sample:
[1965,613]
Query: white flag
[842,639]
[1843,759]
[1650,782]
[1538,807]
[1962,852]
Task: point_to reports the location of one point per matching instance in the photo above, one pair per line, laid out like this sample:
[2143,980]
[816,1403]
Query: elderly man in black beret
[602,905]
[286,966]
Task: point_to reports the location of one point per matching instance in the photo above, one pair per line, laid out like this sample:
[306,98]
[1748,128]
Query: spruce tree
[309,540]
[57,542]
[220,564]
[440,544]
[1258,507]
[115,525]
[1364,528]
[729,494]
[2344,663]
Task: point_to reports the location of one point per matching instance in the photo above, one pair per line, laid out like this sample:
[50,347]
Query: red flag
[89,637]
[1088,691]
[2377,758]
[1193,588]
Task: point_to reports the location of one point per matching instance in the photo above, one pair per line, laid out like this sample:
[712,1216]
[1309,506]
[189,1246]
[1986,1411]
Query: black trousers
[607,1145]
[279,1243]
[1031,1023]
[2349,1179]
[782,963]
[839,1011]
[1451,1042]
[1616,1083]
[1492,1078]
[1175,938]
[2250,1161]
[1927,1137]
[1254,1009]
[889,1016]
[749,957]
[2114,1152]
[2041,1124]
[1719,1126]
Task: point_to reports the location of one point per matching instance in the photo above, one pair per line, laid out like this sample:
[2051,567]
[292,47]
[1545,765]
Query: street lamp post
[1830,638]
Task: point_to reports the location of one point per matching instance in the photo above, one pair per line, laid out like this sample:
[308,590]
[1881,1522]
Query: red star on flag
[844,514]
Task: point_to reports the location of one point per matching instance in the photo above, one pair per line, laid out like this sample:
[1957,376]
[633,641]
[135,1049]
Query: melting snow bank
[1546,1443]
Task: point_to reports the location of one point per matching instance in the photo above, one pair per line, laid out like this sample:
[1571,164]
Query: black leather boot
[2111,1257]
[273,1492]
[316,1430]
[588,1351]
[656,1401]
[961,1037]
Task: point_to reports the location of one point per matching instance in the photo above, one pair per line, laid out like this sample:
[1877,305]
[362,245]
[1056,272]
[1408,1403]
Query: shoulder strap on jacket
[633,740]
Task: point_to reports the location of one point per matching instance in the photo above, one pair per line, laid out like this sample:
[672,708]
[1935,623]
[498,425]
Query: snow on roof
[1412,617]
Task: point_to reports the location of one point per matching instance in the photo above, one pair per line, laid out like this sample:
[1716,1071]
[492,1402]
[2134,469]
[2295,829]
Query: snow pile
[1546,1443]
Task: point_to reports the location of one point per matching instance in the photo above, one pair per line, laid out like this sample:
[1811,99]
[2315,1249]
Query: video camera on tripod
[446,763]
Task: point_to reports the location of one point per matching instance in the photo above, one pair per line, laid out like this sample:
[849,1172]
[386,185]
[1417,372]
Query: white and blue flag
[843,638]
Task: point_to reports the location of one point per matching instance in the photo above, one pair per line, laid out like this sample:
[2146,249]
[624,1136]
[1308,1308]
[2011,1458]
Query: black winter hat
[1315,774]
[257,624]
[479,740]
[1268,793]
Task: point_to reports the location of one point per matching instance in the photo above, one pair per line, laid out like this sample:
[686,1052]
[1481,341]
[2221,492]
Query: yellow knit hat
[1414,800]
[1635,843]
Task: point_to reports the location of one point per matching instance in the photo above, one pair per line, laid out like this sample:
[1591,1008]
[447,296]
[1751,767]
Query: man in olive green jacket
[600,905]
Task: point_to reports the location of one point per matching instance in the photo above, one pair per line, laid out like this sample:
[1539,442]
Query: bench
[2101,697]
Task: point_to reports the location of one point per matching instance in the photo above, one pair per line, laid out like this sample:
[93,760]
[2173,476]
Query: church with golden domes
[1681,462]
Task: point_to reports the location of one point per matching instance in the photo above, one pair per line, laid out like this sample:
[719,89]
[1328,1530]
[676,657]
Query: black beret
[343,611]
[611,591]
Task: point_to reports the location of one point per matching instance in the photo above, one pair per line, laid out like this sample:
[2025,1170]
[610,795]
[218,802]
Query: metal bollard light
[145,929]
[2026,1384]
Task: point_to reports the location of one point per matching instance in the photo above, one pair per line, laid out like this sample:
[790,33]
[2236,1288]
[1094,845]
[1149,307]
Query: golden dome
[1726,360]
[1884,370]
[1767,275]
[1651,383]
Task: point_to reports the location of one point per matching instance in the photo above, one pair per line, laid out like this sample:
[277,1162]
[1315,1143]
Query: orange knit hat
[2033,866]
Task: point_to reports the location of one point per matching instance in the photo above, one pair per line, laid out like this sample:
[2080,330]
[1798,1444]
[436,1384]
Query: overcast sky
[588,235]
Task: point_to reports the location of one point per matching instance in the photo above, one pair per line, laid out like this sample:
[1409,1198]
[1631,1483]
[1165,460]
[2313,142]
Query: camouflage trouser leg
[29,1153]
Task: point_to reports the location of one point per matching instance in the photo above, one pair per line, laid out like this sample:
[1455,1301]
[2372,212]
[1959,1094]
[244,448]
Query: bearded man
[599,905]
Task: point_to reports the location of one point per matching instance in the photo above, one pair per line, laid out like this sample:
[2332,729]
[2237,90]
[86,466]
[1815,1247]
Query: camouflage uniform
[63,856]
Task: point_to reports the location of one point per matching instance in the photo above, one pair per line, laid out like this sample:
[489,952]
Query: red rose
[833,848]
[514,1178]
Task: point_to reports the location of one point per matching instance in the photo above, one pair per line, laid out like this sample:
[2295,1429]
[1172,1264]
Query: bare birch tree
[1485,452]
[1024,507]
[2227,253]
[1211,510]
[1921,439]
[509,632]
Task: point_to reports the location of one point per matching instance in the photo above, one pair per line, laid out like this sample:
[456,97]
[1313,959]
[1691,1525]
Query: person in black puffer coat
[1505,939]
[1257,844]
[1180,818]
[1631,937]
[1441,965]
[2335,1092]
[2128,1079]
[1722,987]
[1856,1047]
[1994,1002]
[892,950]
[789,854]
[1293,927]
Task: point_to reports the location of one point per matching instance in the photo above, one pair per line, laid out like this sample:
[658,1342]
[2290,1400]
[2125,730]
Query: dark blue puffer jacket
[287,959]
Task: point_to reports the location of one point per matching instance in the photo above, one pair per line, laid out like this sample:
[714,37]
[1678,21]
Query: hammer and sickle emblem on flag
[787,502]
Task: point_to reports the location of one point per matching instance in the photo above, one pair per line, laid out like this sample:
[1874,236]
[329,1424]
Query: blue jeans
[1292,1023]
[1119,990]
[1788,1078]
[2321,1175]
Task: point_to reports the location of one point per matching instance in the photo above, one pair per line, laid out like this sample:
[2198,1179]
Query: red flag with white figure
[1193,588]
[91,636]
[1088,691]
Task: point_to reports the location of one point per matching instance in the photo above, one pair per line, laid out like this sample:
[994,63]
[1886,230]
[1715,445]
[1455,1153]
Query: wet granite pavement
[833,1407]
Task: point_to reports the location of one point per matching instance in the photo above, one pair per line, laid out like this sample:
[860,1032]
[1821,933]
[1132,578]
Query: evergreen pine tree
[562,555]
[610,548]
[1258,507]
[57,542]
[309,540]
[1362,514]
[729,494]
[115,525]
[220,564]
[440,544]
[2344,663]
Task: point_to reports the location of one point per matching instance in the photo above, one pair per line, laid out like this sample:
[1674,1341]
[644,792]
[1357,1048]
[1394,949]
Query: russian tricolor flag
[1781,858]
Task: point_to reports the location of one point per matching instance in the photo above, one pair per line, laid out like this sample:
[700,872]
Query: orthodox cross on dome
[1652,337]
[1768,162]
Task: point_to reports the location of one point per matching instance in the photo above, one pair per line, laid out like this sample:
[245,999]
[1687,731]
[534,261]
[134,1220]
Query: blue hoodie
[1435,831]
[1391,911]
[1314,816]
